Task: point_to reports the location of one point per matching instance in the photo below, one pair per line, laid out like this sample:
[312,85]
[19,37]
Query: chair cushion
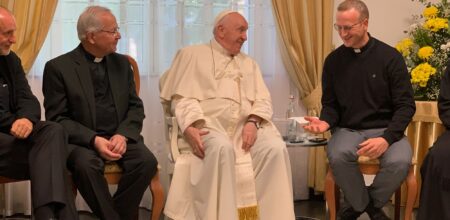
[367,160]
[4,179]
[112,167]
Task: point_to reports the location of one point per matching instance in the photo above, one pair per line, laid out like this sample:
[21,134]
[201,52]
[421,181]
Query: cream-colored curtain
[305,29]
[33,19]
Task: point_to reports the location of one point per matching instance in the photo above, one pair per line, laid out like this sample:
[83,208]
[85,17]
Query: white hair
[89,21]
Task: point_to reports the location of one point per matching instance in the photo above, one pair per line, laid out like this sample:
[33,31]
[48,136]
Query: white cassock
[217,92]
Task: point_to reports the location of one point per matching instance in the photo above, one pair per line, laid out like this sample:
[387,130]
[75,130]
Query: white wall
[387,19]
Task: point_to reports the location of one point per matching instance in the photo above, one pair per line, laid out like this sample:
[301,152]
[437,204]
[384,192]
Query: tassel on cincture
[249,213]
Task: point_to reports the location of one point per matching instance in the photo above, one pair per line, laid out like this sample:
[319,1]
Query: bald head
[5,12]
[7,30]
[230,31]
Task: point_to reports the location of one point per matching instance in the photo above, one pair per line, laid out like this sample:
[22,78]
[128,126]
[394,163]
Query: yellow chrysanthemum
[421,74]
[404,46]
[430,12]
[436,24]
[425,53]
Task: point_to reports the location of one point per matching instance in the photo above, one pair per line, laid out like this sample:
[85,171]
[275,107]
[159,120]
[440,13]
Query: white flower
[413,27]
[446,46]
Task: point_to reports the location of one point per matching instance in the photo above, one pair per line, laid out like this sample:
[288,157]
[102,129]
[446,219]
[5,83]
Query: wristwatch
[257,124]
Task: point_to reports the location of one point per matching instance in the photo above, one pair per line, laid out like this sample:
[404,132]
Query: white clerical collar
[365,47]
[216,46]
[98,60]
[221,59]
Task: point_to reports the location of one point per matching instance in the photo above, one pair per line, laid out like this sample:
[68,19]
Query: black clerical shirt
[367,89]
[4,96]
[105,109]
[4,89]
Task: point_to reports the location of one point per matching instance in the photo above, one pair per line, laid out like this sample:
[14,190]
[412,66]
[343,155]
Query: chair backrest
[135,68]
[171,126]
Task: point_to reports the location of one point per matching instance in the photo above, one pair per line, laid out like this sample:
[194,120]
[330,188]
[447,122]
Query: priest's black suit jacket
[23,104]
[70,100]
[41,157]
[69,96]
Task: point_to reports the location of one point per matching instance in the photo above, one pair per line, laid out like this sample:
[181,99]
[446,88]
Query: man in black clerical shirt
[90,91]
[30,148]
[367,104]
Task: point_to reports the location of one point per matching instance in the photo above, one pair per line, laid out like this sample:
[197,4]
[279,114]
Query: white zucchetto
[221,15]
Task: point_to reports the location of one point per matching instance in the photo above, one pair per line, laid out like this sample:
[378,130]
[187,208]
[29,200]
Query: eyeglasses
[114,32]
[346,27]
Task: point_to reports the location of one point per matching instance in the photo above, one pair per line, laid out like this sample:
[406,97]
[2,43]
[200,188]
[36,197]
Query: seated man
[435,170]
[90,91]
[241,165]
[30,148]
[367,103]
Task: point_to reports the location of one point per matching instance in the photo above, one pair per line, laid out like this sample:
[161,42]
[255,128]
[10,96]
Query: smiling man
[237,166]
[30,148]
[367,104]
[90,91]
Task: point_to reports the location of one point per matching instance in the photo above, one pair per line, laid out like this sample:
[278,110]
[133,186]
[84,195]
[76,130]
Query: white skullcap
[221,15]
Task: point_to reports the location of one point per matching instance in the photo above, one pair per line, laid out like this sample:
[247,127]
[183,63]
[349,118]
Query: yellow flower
[436,24]
[404,46]
[430,12]
[426,58]
[425,53]
[421,74]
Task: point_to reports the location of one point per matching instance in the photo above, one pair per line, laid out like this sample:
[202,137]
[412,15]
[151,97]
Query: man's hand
[103,147]
[373,147]
[248,136]
[21,128]
[118,143]
[193,136]
[315,125]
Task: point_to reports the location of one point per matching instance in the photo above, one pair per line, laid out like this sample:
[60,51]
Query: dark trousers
[139,166]
[435,170]
[41,158]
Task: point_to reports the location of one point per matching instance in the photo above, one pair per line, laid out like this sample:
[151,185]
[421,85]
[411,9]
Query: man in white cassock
[237,165]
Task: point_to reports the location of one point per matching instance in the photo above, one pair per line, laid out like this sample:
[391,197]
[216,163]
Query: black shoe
[348,213]
[376,213]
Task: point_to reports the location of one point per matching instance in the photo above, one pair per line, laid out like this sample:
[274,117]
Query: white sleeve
[188,112]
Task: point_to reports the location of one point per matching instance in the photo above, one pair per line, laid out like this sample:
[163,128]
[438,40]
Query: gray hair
[358,5]
[89,21]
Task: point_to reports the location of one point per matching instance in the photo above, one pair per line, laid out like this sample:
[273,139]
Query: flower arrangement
[427,48]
